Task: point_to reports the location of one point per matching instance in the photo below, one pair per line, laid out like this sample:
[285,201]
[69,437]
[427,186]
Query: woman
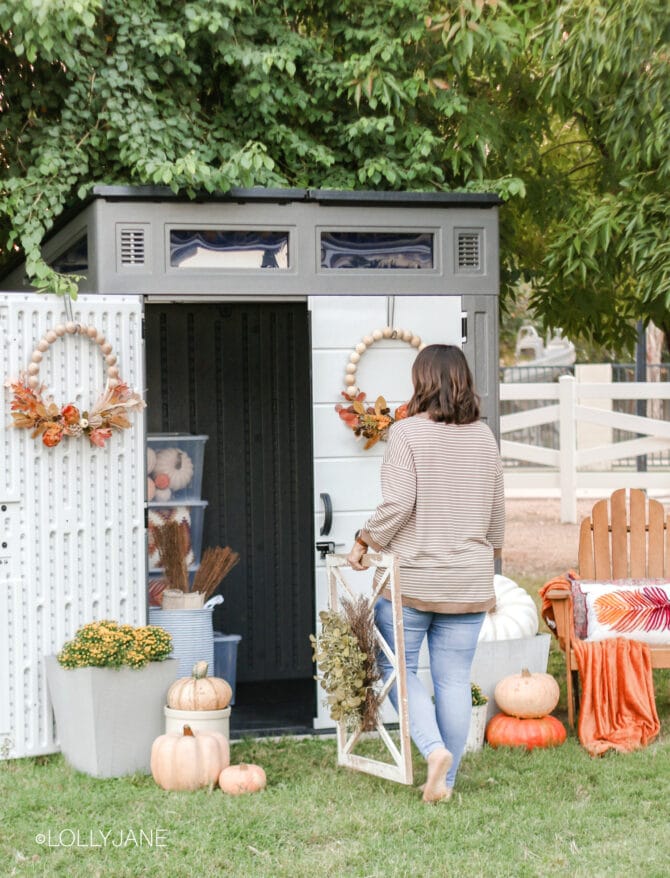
[442,516]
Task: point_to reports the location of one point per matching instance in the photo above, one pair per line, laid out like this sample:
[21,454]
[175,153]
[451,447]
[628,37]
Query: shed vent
[469,250]
[132,247]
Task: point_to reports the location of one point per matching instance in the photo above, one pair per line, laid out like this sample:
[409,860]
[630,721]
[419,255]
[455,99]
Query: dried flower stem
[359,615]
[216,564]
[172,544]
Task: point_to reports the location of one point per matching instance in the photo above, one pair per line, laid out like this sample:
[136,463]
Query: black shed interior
[240,373]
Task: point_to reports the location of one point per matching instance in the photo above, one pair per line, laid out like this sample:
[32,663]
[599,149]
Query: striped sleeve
[496,531]
[398,478]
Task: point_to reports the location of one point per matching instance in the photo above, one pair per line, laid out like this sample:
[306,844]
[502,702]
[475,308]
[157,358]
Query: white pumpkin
[151,460]
[177,465]
[514,615]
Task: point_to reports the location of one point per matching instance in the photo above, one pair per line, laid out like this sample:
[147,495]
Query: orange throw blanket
[618,708]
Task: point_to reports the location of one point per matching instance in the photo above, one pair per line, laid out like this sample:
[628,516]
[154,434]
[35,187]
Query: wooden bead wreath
[371,422]
[32,411]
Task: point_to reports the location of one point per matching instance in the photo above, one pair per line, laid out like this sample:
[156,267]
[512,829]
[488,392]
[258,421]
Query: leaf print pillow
[634,609]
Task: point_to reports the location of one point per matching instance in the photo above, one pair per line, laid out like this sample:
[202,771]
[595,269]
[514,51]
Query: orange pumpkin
[527,695]
[511,731]
[199,692]
[190,760]
[244,778]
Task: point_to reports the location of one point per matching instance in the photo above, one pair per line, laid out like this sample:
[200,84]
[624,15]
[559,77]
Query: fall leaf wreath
[32,409]
[371,422]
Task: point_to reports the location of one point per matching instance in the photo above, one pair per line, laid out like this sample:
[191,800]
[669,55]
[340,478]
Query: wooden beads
[388,332]
[71,328]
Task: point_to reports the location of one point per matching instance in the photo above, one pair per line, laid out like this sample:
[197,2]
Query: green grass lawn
[545,813]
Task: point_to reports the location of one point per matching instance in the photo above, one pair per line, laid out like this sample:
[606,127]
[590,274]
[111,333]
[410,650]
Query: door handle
[327,515]
[327,547]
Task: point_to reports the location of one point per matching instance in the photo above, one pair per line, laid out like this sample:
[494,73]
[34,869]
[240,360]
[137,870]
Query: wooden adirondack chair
[624,537]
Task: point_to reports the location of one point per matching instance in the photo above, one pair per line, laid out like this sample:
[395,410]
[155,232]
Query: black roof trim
[320,196]
[405,199]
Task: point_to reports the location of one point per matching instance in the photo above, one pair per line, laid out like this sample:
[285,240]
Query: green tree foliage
[607,79]
[386,94]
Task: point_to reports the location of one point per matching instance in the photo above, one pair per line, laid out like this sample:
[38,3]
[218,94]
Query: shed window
[377,250]
[74,260]
[220,248]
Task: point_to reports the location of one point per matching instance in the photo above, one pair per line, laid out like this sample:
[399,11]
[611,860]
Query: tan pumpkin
[527,695]
[190,760]
[243,778]
[199,692]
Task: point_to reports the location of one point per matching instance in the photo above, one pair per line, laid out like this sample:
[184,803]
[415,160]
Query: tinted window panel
[377,250]
[74,260]
[217,248]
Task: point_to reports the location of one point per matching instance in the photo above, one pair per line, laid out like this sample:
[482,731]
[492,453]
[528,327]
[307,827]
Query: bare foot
[439,762]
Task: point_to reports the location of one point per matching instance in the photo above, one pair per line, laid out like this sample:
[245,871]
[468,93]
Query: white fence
[571,467]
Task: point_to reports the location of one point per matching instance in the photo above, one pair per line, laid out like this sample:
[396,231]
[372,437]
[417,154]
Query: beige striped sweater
[442,513]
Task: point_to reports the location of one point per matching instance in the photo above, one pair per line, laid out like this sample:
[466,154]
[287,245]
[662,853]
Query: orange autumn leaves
[371,422]
[30,411]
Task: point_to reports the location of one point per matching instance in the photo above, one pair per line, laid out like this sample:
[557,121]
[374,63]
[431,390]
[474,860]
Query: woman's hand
[355,557]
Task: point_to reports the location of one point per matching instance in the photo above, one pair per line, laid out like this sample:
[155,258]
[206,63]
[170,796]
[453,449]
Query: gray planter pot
[107,719]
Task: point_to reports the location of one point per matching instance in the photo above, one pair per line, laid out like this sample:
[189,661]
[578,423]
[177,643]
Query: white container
[198,720]
[192,635]
[477,730]
[495,659]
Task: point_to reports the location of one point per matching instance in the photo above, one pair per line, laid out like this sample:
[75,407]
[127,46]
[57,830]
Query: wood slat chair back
[626,536]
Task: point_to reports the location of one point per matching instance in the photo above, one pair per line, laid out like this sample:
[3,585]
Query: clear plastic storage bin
[225,658]
[190,516]
[174,467]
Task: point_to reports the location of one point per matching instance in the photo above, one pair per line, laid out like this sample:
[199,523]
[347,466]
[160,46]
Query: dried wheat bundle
[216,564]
[172,544]
[359,615]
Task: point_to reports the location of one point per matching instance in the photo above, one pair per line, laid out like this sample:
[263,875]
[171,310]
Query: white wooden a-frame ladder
[400,769]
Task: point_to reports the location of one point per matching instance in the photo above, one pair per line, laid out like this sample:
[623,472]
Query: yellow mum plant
[107,644]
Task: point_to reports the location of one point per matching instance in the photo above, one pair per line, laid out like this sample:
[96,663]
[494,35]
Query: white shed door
[72,545]
[342,468]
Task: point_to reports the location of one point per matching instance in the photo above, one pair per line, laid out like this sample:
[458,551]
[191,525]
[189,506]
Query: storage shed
[236,316]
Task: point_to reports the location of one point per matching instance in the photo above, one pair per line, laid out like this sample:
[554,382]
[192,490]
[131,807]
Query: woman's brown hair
[443,386]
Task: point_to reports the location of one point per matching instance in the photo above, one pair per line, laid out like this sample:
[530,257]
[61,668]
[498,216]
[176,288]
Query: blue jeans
[452,640]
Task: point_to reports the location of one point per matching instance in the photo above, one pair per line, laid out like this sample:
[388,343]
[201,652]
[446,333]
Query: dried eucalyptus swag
[345,651]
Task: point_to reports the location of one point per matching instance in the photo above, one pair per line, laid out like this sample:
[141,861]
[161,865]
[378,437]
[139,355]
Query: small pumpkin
[510,731]
[243,778]
[162,481]
[176,465]
[514,615]
[151,460]
[527,695]
[189,761]
[199,692]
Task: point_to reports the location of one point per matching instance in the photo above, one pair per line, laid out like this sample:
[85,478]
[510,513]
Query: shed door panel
[239,373]
[341,467]
[73,545]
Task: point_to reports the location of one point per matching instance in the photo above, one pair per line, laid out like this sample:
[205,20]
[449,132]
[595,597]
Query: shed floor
[276,707]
